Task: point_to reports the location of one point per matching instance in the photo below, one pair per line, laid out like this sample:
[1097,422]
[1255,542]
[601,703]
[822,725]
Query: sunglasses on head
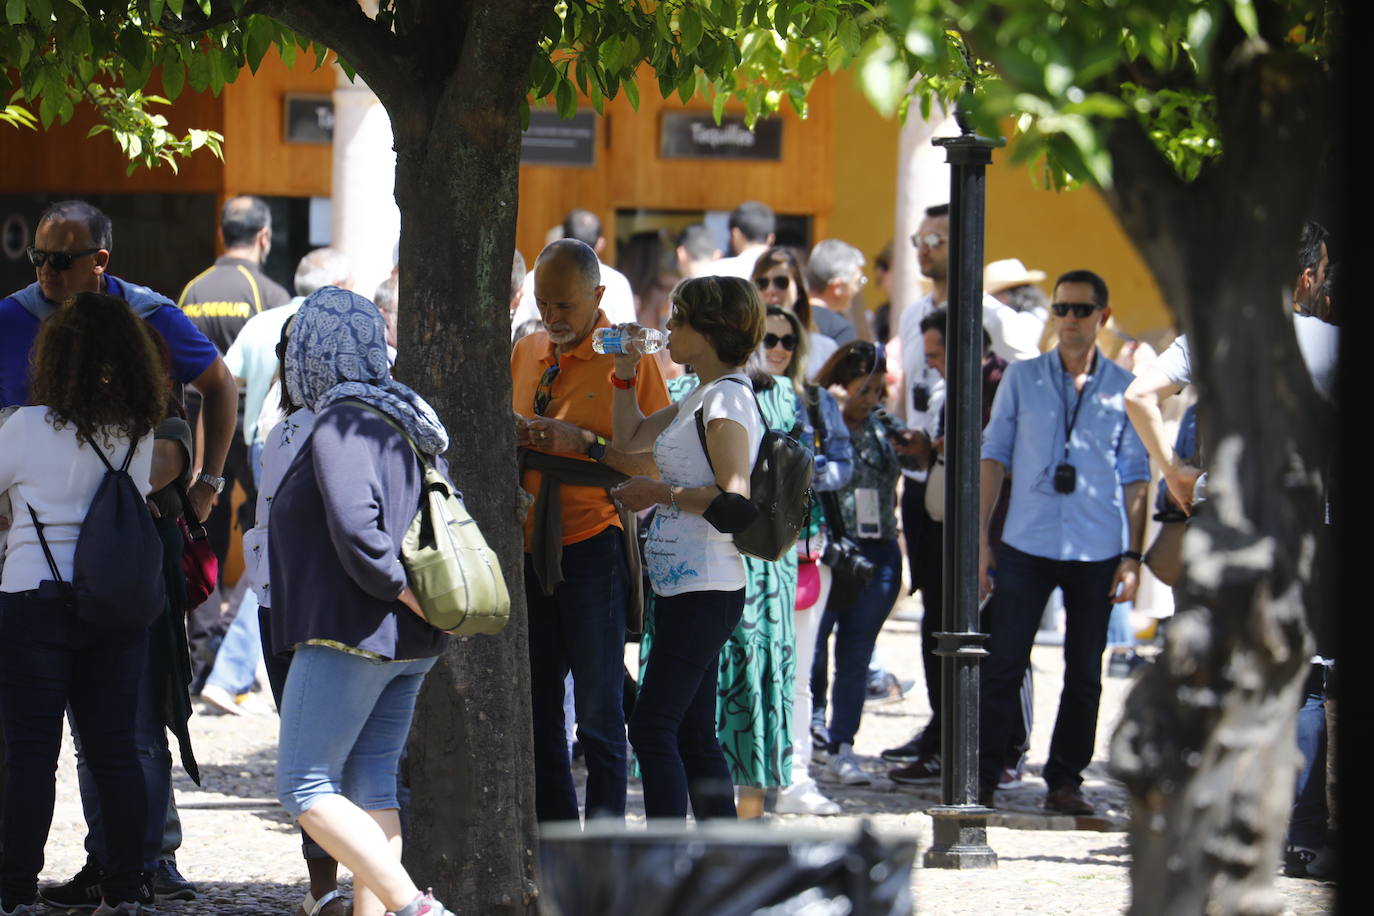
[780,282]
[60,260]
[1079,309]
[544,393]
[787,341]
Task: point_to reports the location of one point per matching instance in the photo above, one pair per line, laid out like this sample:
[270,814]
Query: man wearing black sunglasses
[1079,475]
[71,254]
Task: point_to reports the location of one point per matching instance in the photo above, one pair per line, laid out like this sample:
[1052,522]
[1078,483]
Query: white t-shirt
[740,265]
[819,348]
[684,552]
[58,475]
[618,301]
[1176,362]
[279,449]
[1320,344]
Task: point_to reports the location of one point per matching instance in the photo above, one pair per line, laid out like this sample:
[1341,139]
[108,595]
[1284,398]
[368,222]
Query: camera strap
[1072,420]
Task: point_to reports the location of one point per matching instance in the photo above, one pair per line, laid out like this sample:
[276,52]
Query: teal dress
[758,662]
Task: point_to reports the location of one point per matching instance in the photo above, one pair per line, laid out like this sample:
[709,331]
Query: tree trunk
[1207,741]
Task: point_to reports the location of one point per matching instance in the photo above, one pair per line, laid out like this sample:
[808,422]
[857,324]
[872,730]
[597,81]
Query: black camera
[894,428]
[1065,478]
[920,397]
[852,569]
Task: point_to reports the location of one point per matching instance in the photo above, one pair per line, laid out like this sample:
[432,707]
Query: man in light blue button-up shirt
[1076,520]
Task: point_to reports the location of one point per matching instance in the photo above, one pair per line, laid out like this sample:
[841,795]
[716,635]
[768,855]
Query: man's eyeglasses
[1079,309]
[927,239]
[787,341]
[60,260]
[544,393]
[780,282]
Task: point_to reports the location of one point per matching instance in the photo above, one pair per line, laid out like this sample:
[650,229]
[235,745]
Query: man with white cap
[1010,283]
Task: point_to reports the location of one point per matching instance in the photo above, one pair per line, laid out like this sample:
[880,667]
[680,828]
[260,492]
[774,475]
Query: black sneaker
[81,893]
[906,752]
[1296,859]
[922,769]
[168,884]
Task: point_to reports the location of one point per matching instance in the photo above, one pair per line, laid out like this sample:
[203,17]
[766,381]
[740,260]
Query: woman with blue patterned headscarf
[339,595]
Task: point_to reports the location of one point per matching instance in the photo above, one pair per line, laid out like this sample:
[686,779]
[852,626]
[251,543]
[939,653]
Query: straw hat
[1005,274]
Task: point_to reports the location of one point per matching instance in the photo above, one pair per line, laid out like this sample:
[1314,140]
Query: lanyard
[1078,403]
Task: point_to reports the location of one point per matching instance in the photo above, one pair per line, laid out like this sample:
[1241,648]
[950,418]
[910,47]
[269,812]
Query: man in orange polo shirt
[577,566]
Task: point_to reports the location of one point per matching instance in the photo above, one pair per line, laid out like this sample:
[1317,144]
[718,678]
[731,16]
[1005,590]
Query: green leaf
[686,84]
[133,46]
[718,104]
[1245,15]
[257,38]
[42,11]
[199,71]
[849,36]
[175,6]
[16,11]
[689,22]
[198,138]
[565,98]
[155,10]
[173,78]
[631,91]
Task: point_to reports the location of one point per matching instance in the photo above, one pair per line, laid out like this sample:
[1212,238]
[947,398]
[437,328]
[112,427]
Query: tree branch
[192,21]
[371,49]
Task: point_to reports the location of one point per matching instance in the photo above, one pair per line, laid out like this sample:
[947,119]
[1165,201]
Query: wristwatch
[1132,555]
[215,483]
[597,450]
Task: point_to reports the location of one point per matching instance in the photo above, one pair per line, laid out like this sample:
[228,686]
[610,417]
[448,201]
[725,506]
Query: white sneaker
[843,768]
[804,798]
[220,700]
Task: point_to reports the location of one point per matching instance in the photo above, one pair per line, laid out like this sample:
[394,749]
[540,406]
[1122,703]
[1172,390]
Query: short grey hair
[832,260]
[320,268]
[580,253]
[388,295]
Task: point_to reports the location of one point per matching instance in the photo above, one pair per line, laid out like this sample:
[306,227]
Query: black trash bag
[728,869]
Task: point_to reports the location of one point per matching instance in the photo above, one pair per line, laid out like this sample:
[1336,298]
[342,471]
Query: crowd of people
[754,673]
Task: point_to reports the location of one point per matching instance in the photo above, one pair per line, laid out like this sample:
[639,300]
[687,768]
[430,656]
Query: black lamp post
[960,822]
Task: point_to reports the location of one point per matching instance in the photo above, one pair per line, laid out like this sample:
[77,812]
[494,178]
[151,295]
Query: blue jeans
[1024,584]
[48,659]
[236,663]
[1307,823]
[673,729]
[162,833]
[856,632]
[581,628]
[344,723]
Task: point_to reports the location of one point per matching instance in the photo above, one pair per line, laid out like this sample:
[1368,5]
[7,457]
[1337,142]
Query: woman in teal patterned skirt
[754,700]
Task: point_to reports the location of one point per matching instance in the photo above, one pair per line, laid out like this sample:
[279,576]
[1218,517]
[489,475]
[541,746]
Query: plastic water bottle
[614,341]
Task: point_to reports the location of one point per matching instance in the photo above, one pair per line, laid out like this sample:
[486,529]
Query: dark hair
[727,311]
[644,259]
[582,225]
[95,366]
[696,238]
[287,405]
[937,211]
[754,220]
[937,319]
[1310,242]
[778,255]
[883,259]
[856,359]
[1086,276]
[517,273]
[242,219]
[97,223]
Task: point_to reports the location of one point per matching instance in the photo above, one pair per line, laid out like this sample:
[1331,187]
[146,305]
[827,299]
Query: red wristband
[623,384]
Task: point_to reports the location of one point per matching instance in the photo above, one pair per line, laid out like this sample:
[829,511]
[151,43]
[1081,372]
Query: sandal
[312,907]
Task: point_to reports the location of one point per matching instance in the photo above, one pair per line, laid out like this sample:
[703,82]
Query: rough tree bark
[1207,741]
[452,78]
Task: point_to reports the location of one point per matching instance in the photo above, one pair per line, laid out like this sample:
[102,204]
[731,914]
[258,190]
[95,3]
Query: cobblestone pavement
[243,853]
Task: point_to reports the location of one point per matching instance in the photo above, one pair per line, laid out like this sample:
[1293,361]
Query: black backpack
[779,487]
[117,579]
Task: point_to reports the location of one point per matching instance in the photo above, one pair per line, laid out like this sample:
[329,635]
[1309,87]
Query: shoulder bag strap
[43,542]
[105,461]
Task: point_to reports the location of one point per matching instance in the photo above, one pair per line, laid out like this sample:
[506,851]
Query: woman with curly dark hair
[98,383]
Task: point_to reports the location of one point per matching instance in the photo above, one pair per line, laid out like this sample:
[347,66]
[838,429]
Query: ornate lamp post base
[960,838]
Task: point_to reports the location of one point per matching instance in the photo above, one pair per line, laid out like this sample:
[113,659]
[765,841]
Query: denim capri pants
[344,723]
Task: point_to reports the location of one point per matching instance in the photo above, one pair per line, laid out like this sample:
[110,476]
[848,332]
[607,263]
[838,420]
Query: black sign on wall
[696,135]
[309,119]
[550,140]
